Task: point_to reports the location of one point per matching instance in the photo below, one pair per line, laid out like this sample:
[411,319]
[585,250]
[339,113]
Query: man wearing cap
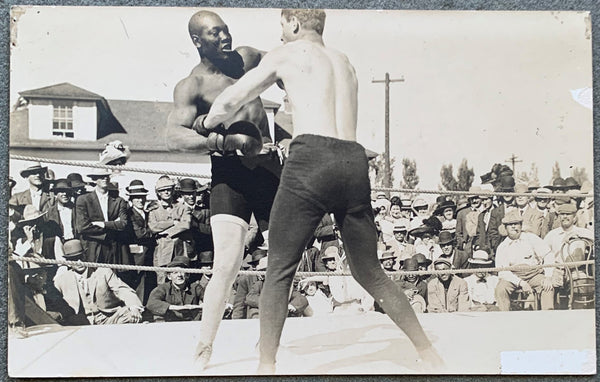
[482,285]
[567,230]
[101,220]
[496,233]
[466,222]
[244,284]
[532,217]
[35,195]
[142,241]
[96,294]
[542,198]
[61,211]
[447,242]
[399,245]
[447,292]
[523,248]
[177,299]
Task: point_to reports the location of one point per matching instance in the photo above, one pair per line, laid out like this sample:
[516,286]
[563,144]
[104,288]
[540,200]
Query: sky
[477,85]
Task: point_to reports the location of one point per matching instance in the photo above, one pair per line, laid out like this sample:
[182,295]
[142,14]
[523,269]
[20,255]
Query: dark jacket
[167,294]
[21,199]
[244,284]
[53,220]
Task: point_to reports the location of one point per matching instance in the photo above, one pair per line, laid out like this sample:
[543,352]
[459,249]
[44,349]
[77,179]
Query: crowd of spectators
[79,220]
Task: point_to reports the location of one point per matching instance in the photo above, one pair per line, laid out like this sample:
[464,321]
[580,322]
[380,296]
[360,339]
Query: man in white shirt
[482,285]
[62,212]
[567,230]
[523,248]
[34,195]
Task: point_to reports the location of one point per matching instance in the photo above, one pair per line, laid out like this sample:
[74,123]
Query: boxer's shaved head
[210,34]
[313,19]
[202,19]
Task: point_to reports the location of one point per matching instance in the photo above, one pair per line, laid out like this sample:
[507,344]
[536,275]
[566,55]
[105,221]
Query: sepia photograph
[238,192]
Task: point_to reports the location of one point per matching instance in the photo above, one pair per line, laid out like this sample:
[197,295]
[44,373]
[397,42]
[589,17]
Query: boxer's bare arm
[180,135]
[251,56]
[247,88]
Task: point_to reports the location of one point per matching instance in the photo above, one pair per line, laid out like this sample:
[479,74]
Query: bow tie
[482,281]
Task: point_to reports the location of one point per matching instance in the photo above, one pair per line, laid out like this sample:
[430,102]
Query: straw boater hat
[475,190]
[30,216]
[480,257]
[331,252]
[262,263]
[400,228]
[542,193]
[136,188]
[33,168]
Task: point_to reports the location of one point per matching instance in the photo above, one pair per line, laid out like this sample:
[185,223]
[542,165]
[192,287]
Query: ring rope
[193,175]
[208,271]
[108,167]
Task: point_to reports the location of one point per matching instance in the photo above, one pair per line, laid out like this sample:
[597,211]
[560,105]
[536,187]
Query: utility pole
[387,175]
[513,160]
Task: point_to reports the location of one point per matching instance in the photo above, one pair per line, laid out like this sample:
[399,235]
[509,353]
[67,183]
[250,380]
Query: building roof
[64,90]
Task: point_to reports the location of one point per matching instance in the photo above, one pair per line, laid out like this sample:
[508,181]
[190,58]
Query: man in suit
[496,231]
[35,195]
[466,222]
[97,295]
[100,220]
[142,241]
[447,292]
[482,240]
[532,217]
[61,213]
[244,284]
[458,259]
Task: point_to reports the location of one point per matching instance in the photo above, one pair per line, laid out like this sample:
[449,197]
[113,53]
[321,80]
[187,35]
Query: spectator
[532,218]
[585,214]
[447,243]
[567,230]
[35,195]
[96,294]
[399,245]
[38,240]
[427,236]
[387,260]
[142,242]
[412,285]
[253,295]
[61,212]
[244,284]
[318,303]
[482,237]
[423,261]
[325,233]
[482,285]
[523,248]
[163,222]
[183,212]
[542,200]
[421,210]
[446,212]
[447,293]
[78,186]
[205,262]
[466,222]
[177,299]
[497,232]
[388,223]
[101,220]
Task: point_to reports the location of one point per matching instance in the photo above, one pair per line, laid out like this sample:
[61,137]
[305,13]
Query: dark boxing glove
[198,126]
[241,135]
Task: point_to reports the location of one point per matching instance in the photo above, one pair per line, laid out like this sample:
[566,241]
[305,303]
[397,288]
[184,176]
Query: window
[62,121]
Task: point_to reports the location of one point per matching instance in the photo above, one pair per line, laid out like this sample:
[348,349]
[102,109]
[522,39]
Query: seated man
[402,249]
[177,300]
[97,295]
[481,285]
[318,303]
[414,288]
[523,248]
[244,284]
[447,292]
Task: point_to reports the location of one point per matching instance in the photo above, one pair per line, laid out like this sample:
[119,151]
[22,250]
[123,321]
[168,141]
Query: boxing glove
[198,126]
[241,135]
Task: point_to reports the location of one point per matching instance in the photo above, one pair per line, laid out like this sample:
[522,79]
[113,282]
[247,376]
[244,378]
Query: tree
[580,175]
[531,176]
[465,176]
[555,172]
[376,170]
[410,179]
[449,183]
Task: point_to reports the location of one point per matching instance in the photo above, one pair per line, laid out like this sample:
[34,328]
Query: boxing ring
[520,342]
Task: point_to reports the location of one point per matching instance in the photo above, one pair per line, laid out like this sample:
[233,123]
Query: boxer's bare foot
[203,353]
[265,368]
[432,360]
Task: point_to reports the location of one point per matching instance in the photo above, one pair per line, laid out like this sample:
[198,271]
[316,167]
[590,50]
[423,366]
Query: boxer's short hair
[309,18]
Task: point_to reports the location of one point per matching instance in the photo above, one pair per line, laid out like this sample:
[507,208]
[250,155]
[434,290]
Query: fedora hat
[136,188]
[62,185]
[205,258]
[30,215]
[521,188]
[558,184]
[331,252]
[421,259]
[164,182]
[33,168]
[475,190]
[443,205]
[533,185]
[419,203]
[179,261]
[463,203]
[72,248]
[512,217]
[262,263]
[113,186]
[506,183]
[446,237]
[187,185]
[385,255]
[480,257]
[572,184]
[76,180]
[257,255]
[99,173]
[410,264]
